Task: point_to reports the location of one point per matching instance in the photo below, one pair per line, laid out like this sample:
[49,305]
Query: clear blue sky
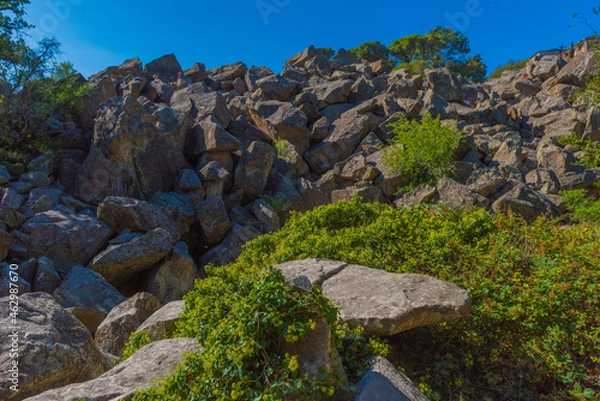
[96,34]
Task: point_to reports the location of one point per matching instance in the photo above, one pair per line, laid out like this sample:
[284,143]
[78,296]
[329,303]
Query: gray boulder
[54,348]
[282,120]
[113,333]
[382,303]
[252,171]
[161,323]
[66,237]
[151,363]
[214,220]
[131,254]
[383,382]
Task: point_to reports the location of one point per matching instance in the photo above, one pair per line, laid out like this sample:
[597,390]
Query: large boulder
[161,323]
[445,84]
[331,92]
[140,371]
[383,382]
[252,171]
[166,67]
[132,253]
[348,131]
[213,218]
[526,203]
[382,303]
[54,349]
[282,120]
[66,237]
[128,137]
[174,277]
[124,213]
[113,333]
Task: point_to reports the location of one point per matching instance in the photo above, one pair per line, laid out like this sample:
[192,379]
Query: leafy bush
[532,334]
[135,343]
[422,150]
[511,65]
[242,314]
[583,208]
[590,156]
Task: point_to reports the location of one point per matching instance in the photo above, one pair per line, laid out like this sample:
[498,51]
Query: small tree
[423,150]
[374,51]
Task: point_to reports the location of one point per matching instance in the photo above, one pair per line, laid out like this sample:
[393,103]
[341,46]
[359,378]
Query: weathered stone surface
[445,84]
[126,135]
[228,72]
[113,333]
[554,158]
[457,195]
[485,180]
[276,87]
[197,72]
[131,214]
[152,362]
[74,291]
[213,218]
[252,171]
[509,153]
[543,180]
[232,245]
[209,135]
[162,322]
[418,196]
[178,206]
[66,237]
[331,92]
[136,253]
[282,120]
[348,131]
[4,175]
[383,382]
[526,203]
[575,71]
[175,276]
[546,67]
[55,349]
[367,193]
[166,67]
[383,303]
[266,216]
[46,277]
[5,241]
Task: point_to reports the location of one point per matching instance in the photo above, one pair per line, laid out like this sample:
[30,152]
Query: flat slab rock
[156,360]
[383,303]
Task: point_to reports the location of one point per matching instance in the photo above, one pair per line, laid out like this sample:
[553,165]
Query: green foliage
[590,155]
[422,150]
[509,66]
[583,207]
[33,88]
[136,342]
[440,47]
[243,314]
[373,51]
[535,289]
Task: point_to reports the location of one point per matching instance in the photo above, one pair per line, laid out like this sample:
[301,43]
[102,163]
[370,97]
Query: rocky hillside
[168,170]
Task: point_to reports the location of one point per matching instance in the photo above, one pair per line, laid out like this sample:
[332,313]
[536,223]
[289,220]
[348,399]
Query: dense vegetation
[422,150]
[533,332]
[33,88]
[440,47]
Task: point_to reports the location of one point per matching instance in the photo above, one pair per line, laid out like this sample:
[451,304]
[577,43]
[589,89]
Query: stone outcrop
[152,362]
[382,303]
[54,348]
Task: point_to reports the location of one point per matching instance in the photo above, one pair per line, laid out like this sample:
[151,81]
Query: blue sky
[96,34]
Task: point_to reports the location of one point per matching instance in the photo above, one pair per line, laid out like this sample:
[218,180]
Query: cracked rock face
[382,303]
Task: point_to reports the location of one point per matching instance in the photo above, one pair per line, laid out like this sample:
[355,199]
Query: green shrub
[423,150]
[136,342]
[591,150]
[583,208]
[532,334]
[511,65]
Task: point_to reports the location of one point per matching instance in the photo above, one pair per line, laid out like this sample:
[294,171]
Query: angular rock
[266,216]
[383,382]
[120,261]
[276,87]
[166,66]
[526,203]
[445,84]
[214,220]
[179,208]
[74,292]
[113,333]
[231,247]
[161,323]
[252,171]
[66,237]
[55,349]
[138,216]
[46,277]
[282,120]
[348,131]
[140,371]
[383,303]
[331,92]
[175,276]
[4,175]
[197,73]
[5,241]
[457,195]
[547,67]
[209,135]
[126,135]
